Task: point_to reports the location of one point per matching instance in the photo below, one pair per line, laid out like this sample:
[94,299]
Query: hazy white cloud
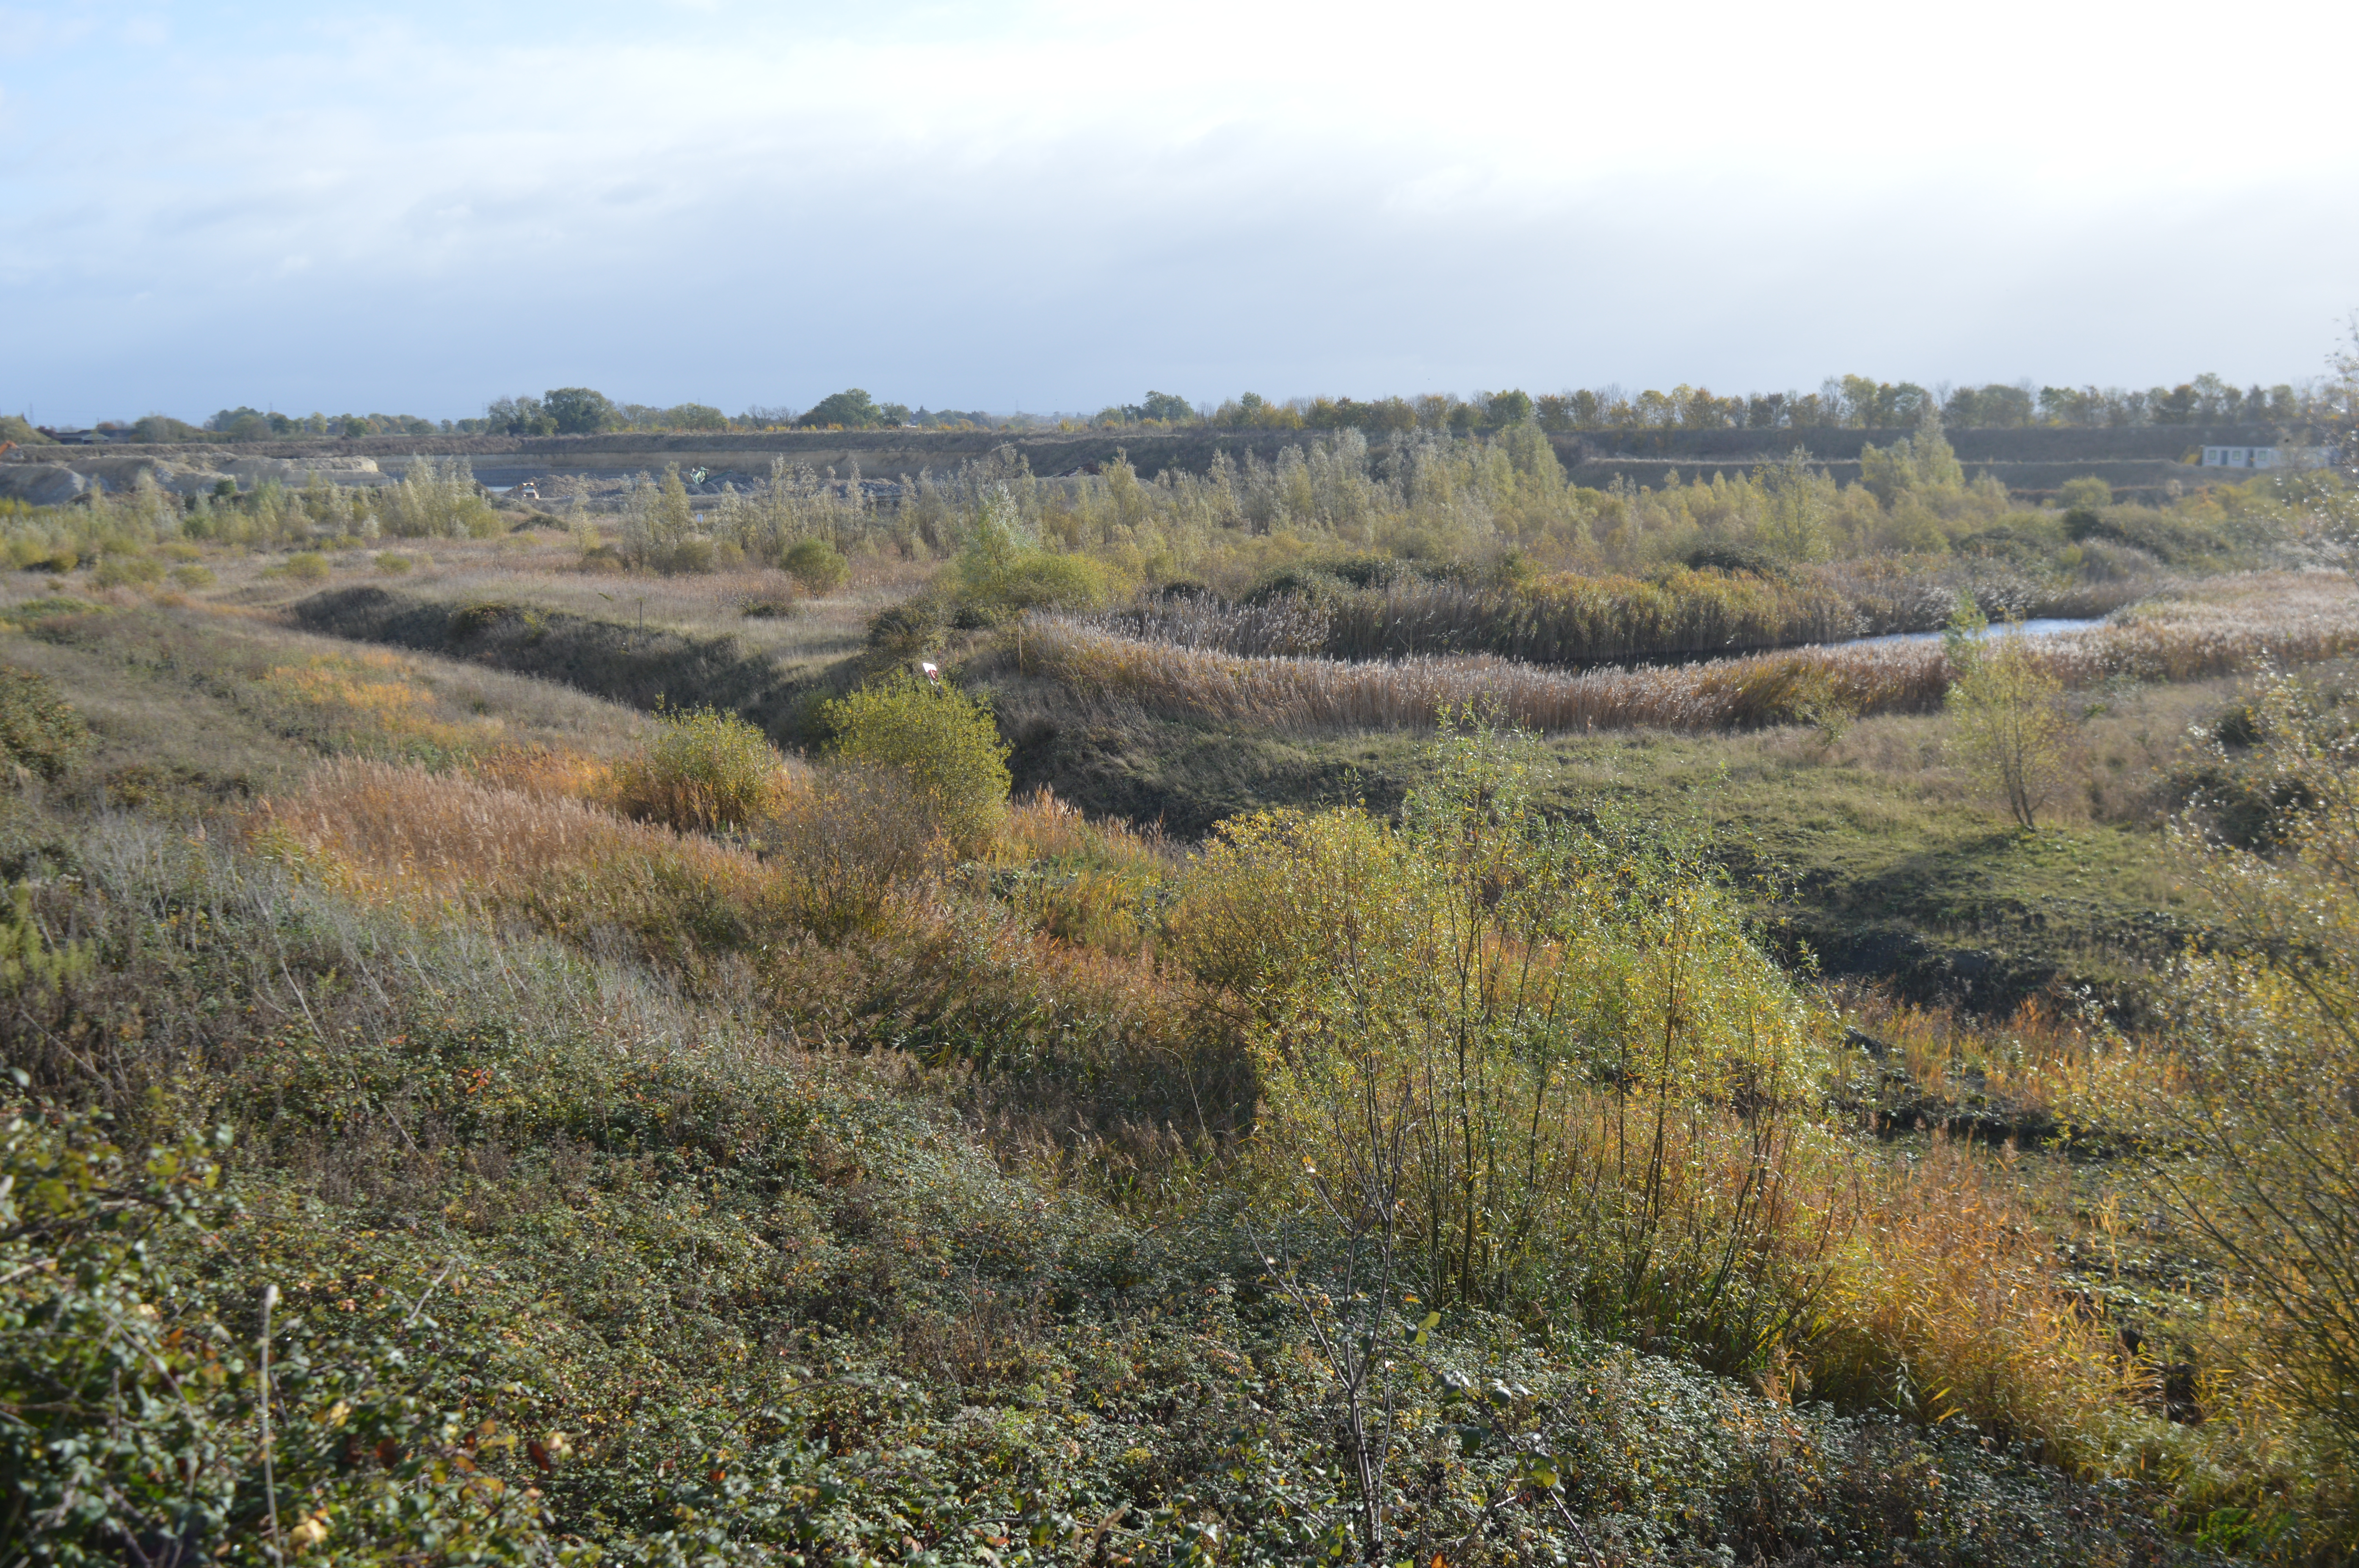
[1057,205]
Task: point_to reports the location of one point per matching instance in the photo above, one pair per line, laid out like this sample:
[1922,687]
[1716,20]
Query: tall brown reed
[1305,694]
[1575,621]
[2289,618]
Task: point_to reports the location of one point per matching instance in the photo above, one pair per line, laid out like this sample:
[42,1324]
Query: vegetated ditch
[1186,778]
[640,668]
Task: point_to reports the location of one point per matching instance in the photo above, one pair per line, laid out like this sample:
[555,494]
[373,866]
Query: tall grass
[1098,884]
[1309,694]
[1575,621]
[395,830]
[845,930]
[2289,618]
[1954,1308]
[1564,620]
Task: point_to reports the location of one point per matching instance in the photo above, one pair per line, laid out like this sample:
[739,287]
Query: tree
[658,521]
[2344,362]
[578,410]
[1169,407]
[1923,464]
[164,428]
[1003,573]
[1794,516]
[240,424]
[1509,408]
[2013,733]
[439,501]
[518,416]
[852,408]
[1988,405]
[695,416]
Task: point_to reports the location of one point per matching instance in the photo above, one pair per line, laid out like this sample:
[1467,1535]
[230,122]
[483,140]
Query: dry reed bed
[1574,620]
[396,829]
[2285,618]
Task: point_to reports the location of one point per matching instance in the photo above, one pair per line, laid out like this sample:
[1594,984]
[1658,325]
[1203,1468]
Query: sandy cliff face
[72,473]
[40,484]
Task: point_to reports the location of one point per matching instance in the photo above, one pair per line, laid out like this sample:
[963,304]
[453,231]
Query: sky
[1050,206]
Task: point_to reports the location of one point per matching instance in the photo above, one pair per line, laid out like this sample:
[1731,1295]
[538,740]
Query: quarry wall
[2031,461]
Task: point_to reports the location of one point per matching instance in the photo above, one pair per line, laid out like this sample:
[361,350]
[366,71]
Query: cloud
[1062,203]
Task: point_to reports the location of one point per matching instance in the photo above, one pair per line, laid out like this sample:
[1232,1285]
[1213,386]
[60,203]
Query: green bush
[53,604]
[192,576]
[2084,492]
[308,566]
[39,732]
[816,564]
[133,1390]
[686,558]
[1002,572]
[123,571]
[994,589]
[704,769]
[393,563]
[906,629]
[945,742]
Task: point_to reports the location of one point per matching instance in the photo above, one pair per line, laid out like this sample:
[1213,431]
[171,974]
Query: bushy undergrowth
[1584,1071]
[704,770]
[2270,1100]
[1913,530]
[39,732]
[829,1189]
[568,1267]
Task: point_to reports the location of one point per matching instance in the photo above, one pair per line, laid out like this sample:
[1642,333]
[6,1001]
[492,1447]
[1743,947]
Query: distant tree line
[1848,402]
[582,411]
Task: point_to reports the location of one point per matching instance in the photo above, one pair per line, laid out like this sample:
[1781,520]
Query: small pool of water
[2044,627]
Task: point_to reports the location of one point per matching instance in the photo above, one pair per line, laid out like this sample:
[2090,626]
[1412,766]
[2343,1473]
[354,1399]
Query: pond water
[2043,628]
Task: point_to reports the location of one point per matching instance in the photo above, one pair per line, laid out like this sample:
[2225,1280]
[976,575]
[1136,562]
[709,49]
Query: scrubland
[547,1036]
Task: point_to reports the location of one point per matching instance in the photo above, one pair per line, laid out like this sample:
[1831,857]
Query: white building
[2267,457]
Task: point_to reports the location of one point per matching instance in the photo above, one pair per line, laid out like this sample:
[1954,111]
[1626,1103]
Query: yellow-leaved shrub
[1554,1049]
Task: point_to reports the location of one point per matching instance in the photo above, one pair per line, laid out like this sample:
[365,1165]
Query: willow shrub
[851,847]
[1565,1040]
[2263,1140]
[704,770]
[816,564]
[943,742]
[2011,729]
